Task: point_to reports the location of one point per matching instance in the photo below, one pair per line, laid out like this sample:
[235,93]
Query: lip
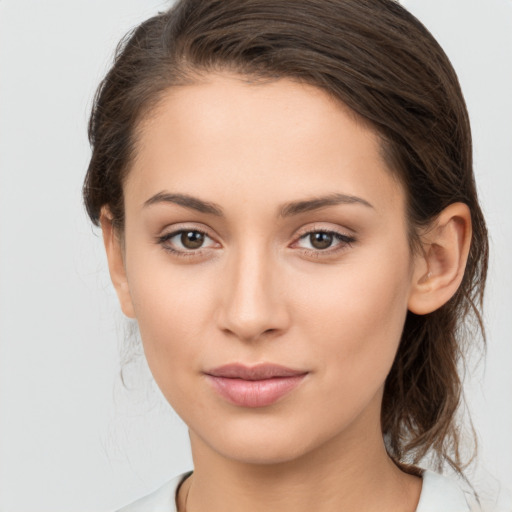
[254,386]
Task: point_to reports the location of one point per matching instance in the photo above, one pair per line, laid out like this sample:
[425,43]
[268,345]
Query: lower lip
[254,393]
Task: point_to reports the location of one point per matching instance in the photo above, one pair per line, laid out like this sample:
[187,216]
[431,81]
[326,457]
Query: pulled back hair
[379,60]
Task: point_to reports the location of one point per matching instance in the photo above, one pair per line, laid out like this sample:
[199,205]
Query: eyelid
[345,240]
[171,231]
[186,226]
[316,227]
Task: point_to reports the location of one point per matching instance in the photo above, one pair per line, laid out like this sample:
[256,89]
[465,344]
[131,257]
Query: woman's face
[263,227]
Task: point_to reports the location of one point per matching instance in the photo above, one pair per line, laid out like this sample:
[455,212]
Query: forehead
[225,132]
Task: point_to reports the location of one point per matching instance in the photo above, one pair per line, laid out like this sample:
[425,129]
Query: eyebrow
[286,210]
[297,207]
[193,203]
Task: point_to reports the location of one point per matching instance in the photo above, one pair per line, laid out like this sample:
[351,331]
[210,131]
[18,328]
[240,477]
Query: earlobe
[116,264]
[439,270]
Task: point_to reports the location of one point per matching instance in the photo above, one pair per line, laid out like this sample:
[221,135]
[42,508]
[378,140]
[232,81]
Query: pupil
[192,239]
[321,240]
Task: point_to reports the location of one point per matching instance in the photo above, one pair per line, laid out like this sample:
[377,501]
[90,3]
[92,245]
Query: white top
[438,494]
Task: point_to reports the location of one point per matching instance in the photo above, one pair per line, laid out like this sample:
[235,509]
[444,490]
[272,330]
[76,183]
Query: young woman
[286,195]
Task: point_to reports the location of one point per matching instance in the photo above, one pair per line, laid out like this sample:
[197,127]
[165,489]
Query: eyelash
[344,241]
[163,239]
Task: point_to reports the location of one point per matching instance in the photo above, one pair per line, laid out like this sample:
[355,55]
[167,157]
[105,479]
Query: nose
[253,302]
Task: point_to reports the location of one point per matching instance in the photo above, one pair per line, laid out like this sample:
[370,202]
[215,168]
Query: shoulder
[442,494]
[161,500]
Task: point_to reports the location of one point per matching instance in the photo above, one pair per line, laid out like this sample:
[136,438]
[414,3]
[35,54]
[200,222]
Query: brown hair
[378,59]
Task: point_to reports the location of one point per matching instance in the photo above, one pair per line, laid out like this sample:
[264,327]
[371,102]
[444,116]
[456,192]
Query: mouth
[254,386]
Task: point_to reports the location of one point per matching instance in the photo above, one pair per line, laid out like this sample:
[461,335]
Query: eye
[186,241]
[323,240]
[191,239]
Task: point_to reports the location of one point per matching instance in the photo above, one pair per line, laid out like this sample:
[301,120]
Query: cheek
[356,315]
[173,310]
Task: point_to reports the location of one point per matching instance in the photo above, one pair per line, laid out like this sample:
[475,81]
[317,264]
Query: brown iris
[192,239]
[321,240]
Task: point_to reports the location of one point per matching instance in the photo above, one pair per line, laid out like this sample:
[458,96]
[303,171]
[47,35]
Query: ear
[116,266]
[439,269]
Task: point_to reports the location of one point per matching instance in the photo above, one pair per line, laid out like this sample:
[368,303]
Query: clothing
[438,494]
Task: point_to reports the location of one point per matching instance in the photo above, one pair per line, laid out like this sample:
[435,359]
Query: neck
[339,475]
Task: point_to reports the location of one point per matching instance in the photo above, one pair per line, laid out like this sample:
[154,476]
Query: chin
[267,454]
[263,454]
[265,446]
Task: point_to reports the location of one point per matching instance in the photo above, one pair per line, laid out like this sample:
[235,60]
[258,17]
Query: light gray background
[70,437]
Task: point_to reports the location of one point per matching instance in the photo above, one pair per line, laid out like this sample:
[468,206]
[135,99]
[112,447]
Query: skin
[259,290]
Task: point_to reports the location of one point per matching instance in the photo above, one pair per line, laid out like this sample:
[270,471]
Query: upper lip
[258,372]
